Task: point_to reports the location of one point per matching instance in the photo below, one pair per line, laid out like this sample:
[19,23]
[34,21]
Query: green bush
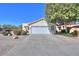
[68,34]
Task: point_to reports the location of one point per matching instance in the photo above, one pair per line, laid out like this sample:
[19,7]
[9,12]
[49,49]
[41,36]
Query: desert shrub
[18,32]
[24,32]
[75,33]
[6,33]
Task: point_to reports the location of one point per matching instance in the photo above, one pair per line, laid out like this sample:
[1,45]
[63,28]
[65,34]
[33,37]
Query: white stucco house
[36,27]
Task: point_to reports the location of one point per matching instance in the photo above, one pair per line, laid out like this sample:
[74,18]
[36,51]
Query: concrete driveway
[46,45]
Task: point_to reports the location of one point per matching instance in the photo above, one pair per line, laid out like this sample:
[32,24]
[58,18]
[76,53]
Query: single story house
[36,27]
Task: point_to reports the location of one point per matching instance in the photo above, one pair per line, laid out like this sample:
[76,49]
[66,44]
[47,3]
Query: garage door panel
[40,30]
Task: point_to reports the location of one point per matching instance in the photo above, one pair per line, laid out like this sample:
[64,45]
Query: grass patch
[67,34]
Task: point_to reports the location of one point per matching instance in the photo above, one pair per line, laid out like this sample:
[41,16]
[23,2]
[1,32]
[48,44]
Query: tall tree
[62,11]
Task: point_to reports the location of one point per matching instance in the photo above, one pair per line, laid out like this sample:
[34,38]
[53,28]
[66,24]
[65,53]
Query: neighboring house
[37,27]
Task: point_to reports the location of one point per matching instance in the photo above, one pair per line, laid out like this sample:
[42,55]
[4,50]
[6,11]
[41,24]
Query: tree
[62,11]
[8,26]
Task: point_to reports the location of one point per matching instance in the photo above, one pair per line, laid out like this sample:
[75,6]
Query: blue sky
[17,14]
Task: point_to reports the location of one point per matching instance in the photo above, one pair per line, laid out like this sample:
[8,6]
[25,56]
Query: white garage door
[40,30]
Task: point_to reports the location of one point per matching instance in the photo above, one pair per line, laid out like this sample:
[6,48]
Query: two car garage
[37,27]
[39,30]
